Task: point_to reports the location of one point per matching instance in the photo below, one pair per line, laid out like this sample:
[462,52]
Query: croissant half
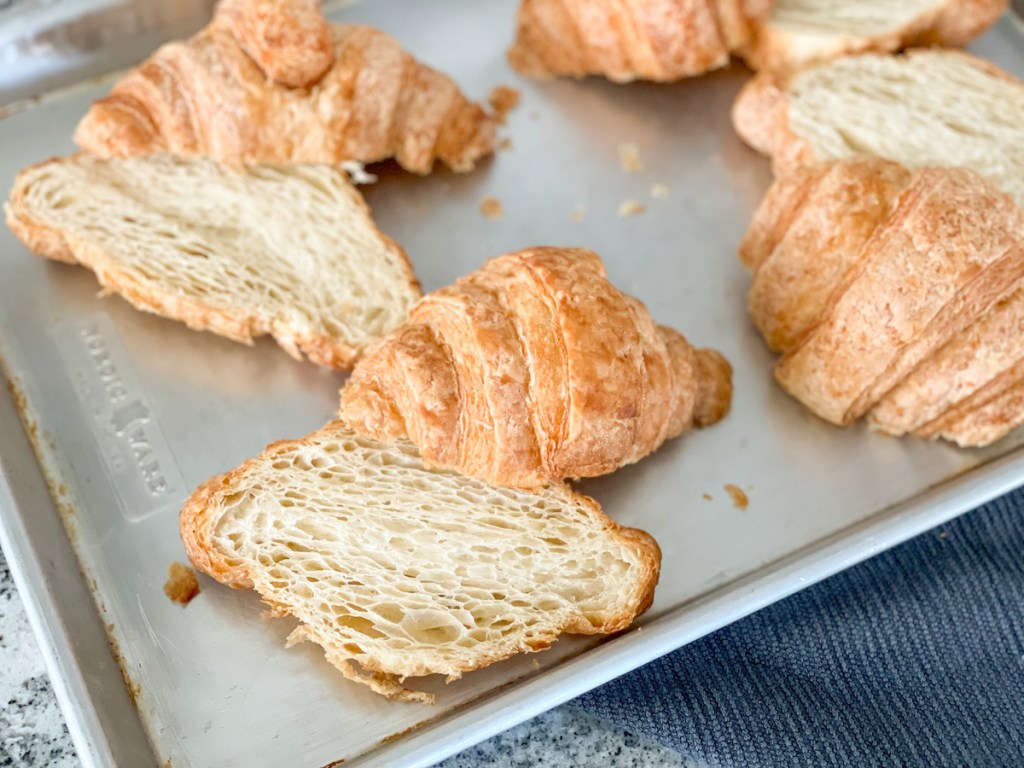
[534,369]
[895,294]
[625,40]
[270,81]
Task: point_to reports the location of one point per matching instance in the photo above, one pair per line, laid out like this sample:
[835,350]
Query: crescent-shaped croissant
[271,82]
[895,294]
[627,40]
[534,369]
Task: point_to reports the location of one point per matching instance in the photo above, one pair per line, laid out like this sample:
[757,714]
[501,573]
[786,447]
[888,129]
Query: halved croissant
[893,292]
[270,81]
[631,39]
[534,369]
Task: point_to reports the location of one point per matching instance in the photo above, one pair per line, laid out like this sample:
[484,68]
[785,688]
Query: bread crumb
[659,191]
[505,143]
[707,496]
[739,498]
[630,208]
[503,99]
[491,208]
[182,584]
[629,158]
[942,534]
[357,172]
[579,213]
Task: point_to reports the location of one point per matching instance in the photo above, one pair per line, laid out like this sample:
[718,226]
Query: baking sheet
[212,684]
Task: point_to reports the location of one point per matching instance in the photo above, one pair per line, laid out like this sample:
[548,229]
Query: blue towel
[913,658]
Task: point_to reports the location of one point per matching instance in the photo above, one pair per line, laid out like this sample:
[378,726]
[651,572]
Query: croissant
[534,369]
[271,82]
[625,40]
[895,294]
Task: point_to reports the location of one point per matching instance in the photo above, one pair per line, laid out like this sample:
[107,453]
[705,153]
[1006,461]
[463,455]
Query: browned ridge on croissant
[273,82]
[534,369]
[659,40]
[894,294]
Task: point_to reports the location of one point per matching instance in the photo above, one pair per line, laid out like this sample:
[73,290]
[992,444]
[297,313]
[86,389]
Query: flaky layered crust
[202,513]
[534,369]
[779,49]
[272,82]
[659,40]
[893,292]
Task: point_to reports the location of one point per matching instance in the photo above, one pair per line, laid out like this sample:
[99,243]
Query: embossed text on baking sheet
[132,443]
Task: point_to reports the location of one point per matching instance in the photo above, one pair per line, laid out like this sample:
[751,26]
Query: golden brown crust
[990,421]
[714,388]
[290,41]
[195,524]
[660,40]
[534,369]
[907,291]
[953,23]
[971,369]
[951,249]
[801,254]
[225,93]
[760,116]
[203,510]
[959,22]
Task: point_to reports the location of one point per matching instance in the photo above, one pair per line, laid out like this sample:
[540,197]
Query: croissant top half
[270,81]
[625,40]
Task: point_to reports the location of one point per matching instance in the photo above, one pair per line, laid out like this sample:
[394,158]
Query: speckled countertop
[33,733]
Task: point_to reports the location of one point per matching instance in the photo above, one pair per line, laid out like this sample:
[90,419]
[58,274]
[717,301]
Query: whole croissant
[271,81]
[534,369]
[627,40]
[895,294]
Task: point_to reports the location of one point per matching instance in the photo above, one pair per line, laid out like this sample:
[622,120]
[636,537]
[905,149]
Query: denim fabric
[915,658]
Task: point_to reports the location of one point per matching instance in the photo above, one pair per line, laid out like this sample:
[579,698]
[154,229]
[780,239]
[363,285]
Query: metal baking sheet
[126,413]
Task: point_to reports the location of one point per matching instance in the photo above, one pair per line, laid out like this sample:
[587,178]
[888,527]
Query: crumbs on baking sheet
[491,208]
[506,143]
[579,213]
[357,172]
[707,496]
[630,208]
[659,190]
[629,157]
[503,99]
[739,498]
[181,585]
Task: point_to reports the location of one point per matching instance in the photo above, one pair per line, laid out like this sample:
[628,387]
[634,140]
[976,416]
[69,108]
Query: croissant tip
[714,388]
[117,126]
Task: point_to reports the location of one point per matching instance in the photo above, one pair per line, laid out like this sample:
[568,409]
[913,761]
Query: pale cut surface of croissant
[624,40]
[535,369]
[289,251]
[919,109]
[270,82]
[398,570]
[799,32]
[893,292]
